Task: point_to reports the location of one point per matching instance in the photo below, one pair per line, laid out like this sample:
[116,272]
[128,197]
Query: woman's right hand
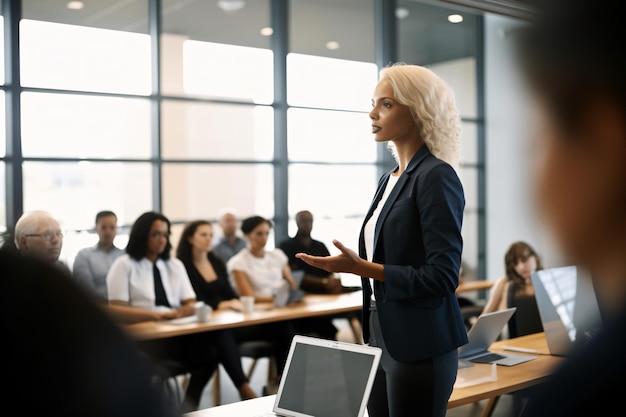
[347,261]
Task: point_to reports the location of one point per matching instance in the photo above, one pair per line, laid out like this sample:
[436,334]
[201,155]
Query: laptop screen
[326,378]
[567,305]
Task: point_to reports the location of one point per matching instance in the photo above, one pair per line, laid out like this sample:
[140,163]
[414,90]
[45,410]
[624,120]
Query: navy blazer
[418,240]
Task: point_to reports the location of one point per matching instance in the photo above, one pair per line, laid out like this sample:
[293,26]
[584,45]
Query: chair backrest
[526,319]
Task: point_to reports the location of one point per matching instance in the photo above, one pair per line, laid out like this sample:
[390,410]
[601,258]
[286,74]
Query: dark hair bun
[249,224]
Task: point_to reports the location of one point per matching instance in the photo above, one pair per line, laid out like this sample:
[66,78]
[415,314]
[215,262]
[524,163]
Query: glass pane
[470,242]
[228,72]
[460,75]
[309,139]
[330,83]
[210,50]
[206,131]
[3,133]
[350,195]
[60,125]
[335,29]
[469,179]
[193,191]
[469,143]
[75,191]
[426,37]
[2,79]
[84,58]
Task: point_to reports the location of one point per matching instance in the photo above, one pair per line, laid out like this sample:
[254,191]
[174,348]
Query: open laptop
[325,378]
[284,294]
[568,307]
[482,334]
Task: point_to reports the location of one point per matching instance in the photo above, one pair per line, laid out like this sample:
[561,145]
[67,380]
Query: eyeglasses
[47,235]
[158,235]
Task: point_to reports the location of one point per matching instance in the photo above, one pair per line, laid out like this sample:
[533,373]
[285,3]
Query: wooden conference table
[509,379]
[312,305]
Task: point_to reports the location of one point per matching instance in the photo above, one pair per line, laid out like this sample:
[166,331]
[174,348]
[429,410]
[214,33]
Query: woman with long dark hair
[210,280]
[147,284]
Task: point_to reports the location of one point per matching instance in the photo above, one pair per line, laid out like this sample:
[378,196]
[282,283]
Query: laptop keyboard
[487,358]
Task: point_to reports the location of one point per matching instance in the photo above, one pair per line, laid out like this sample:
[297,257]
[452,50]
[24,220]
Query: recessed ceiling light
[230,6]
[402,12]
[267,31]
[455,18]
[75,5]
[333,45]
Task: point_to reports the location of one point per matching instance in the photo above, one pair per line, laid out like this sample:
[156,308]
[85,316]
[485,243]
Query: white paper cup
[203,311]
[247,304]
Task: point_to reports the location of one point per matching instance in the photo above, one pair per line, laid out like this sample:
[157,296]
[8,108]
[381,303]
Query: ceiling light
[75,5]
[267,31]
[333,45]
[230,6]
[402,12]
[455,18]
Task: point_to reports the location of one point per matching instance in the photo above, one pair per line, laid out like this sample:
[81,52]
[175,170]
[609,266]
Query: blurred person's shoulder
[64,344]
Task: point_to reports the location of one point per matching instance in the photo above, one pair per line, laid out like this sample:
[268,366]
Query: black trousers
[409,389]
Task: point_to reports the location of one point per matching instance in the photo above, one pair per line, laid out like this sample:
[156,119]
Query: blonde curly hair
[432,105]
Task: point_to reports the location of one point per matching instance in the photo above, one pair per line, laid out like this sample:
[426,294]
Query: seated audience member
[577,85]
[520,261]
[315,279]
[38,235]
[209,278]
[146,284]
[65,356]
[92,264]
[515,289]
[256,271]
[230,243]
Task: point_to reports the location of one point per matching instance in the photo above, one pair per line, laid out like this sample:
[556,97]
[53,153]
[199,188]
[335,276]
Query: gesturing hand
[347,261]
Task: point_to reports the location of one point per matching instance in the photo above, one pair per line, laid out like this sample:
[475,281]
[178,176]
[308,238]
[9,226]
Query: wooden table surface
[311,305]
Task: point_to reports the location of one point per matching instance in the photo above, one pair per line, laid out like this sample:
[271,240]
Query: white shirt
[370,226]
[265,273]
[132,281]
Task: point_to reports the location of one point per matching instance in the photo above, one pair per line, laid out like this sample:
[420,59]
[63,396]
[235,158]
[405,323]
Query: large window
[191,113]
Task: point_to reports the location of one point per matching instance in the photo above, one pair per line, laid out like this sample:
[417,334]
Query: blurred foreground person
[577,77]
[65,356]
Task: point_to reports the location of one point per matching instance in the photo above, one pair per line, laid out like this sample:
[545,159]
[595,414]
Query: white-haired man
[38,235]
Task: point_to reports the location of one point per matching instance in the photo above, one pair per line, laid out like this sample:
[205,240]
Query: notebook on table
[325,378]
[482,334]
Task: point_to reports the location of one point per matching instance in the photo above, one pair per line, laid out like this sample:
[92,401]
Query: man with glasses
[38,235]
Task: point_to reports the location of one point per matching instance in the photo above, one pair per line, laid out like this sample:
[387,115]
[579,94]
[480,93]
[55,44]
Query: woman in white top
[147,284]
[255,270]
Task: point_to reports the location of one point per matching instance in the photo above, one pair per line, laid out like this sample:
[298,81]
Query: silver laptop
[568,307]
[482,334]
[325,378]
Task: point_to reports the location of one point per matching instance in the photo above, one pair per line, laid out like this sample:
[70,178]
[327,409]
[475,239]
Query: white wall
[511,213]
